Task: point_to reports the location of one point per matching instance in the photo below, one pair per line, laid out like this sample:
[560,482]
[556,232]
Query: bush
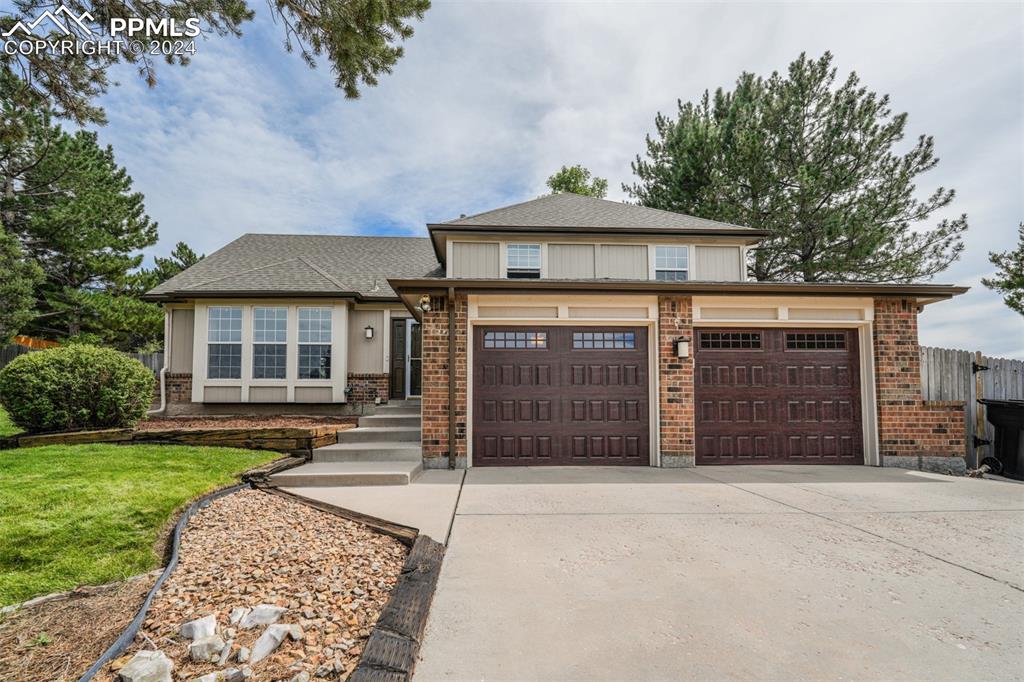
[75,387]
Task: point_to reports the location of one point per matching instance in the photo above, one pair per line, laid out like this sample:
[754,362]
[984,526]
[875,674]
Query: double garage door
[581,395]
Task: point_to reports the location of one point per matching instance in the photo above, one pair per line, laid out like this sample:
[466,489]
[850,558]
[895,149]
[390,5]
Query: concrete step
[376,434]
[384,451]
[403,403]
[390,420]
[320,474]
[396,409]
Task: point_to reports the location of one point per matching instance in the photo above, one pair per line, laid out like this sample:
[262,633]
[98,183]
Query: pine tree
[813,163]
[1009,278]
[17,287]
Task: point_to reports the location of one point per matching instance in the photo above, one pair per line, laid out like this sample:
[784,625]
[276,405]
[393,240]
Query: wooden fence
[948,374]
[153,361]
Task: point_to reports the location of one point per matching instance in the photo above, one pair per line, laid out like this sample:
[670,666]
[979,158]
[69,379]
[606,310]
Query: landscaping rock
[235,675]
[225,653]
[238,613]
[263,614]
[269,641]
[206,649]
[243,654]
[147,666]
[301,677]
[200,628]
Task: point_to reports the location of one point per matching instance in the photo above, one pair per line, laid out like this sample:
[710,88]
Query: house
[564,330]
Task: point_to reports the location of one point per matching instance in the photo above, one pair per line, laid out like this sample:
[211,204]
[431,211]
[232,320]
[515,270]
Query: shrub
[75,387]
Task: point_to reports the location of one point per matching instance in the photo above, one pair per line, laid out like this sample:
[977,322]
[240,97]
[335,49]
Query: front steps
[383,450]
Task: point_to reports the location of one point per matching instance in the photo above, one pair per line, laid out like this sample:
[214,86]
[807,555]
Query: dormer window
[523,261]
[671,263]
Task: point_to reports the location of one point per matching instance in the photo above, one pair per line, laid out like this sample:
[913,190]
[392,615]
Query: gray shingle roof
[566,210]
[305,264]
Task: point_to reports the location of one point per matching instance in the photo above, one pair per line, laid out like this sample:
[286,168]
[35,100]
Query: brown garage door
[560,395]
[771,396]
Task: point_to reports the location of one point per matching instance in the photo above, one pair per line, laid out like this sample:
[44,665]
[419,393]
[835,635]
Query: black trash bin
[1008,449]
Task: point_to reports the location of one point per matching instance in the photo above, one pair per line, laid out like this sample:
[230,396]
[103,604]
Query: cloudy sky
[491,98]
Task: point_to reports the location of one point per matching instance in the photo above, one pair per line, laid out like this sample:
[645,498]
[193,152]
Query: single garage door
[777,396]
[560,395]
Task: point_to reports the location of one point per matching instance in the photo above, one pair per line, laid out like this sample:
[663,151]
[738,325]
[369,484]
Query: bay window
[269,343]
[224,343]
[314,343]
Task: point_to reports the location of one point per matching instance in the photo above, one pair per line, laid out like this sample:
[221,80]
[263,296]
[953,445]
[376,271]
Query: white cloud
[492,98]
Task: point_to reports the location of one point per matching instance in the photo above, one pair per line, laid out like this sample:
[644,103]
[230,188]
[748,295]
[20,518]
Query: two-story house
[561,331]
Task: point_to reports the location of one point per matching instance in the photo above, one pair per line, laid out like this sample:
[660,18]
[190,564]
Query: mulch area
[172,423]
[59,639]
[332,575]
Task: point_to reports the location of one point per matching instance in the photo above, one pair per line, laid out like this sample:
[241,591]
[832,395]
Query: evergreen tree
[577,180]
[18,279]
[1009,279]
[813,163]
[181,258]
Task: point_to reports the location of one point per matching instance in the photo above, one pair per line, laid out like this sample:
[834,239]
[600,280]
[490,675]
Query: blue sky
[491,98]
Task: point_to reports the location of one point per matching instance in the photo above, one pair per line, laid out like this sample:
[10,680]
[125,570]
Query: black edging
[391,652]
[128,636]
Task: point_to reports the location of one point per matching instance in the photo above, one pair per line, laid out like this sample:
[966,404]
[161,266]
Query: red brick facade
[366,388]
[675,391]
[179,387]
[435,382]
[909,426]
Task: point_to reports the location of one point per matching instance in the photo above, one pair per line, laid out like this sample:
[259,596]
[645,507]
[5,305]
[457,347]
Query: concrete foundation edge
[677,461]
[939,465]
[442,462]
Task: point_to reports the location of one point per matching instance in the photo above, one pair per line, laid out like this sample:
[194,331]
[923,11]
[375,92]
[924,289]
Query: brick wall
[366,388]
[908,426]
[179,387]
[435,382]
[675,392]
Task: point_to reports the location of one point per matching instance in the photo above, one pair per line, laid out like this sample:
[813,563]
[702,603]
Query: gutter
[168,322]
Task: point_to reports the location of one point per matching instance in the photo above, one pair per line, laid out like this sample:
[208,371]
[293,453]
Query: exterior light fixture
[682,348]
[424,303]
[369,332]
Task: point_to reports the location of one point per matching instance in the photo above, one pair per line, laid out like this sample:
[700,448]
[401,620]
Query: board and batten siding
[366,356]
[571,261]
[718,263]
[476,260]
[622,261]
[183,322]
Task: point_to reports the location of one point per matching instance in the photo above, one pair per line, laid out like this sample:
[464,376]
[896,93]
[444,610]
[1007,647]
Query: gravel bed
[252,548]
[172,423]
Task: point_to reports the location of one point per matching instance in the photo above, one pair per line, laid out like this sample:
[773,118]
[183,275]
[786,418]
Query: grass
[7,427]
[91,514]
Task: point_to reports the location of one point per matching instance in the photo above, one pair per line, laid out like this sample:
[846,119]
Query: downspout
[451,377]
[168,316]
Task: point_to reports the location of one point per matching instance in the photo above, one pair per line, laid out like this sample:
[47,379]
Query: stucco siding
[182,329]
[312,394]
[366,356]
[718,264]
[571,261]
[476,259]
[622,261]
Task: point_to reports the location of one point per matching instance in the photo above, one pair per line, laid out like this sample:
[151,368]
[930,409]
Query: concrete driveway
[723,573]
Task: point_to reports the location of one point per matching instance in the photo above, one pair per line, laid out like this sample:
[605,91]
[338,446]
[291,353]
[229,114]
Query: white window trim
[252,370]
[306,381]
[541,247]
[652,261]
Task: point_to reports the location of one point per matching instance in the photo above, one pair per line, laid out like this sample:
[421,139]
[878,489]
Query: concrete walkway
[790,573]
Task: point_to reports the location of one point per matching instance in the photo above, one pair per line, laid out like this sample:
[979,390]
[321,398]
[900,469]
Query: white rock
[206,649]
[234,675]
[269,641]
[243,654]
[200,628]
[147,666]
[263,614]
[225,652]
[301,677]
[238,613]
[211,677]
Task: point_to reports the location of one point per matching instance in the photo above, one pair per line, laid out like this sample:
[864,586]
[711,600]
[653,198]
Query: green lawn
[7,427]
[90,514]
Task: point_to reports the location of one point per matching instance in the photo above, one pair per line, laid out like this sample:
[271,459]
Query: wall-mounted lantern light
[682,348]
[369,332]
[424,303]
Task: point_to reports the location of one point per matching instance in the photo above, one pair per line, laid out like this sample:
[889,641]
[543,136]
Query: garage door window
[515,340]
[603,340]
[815,341]
[730,340]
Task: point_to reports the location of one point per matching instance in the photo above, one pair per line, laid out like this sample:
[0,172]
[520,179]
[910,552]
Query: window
[515,340]
[671,263]
[815,341]
[603,340]
[314,343]
[269,343]
[224,343]
[523,261]
[730,340]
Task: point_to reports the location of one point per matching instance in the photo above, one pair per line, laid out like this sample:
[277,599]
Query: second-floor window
[269,343]
[523,261]
[671,263]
